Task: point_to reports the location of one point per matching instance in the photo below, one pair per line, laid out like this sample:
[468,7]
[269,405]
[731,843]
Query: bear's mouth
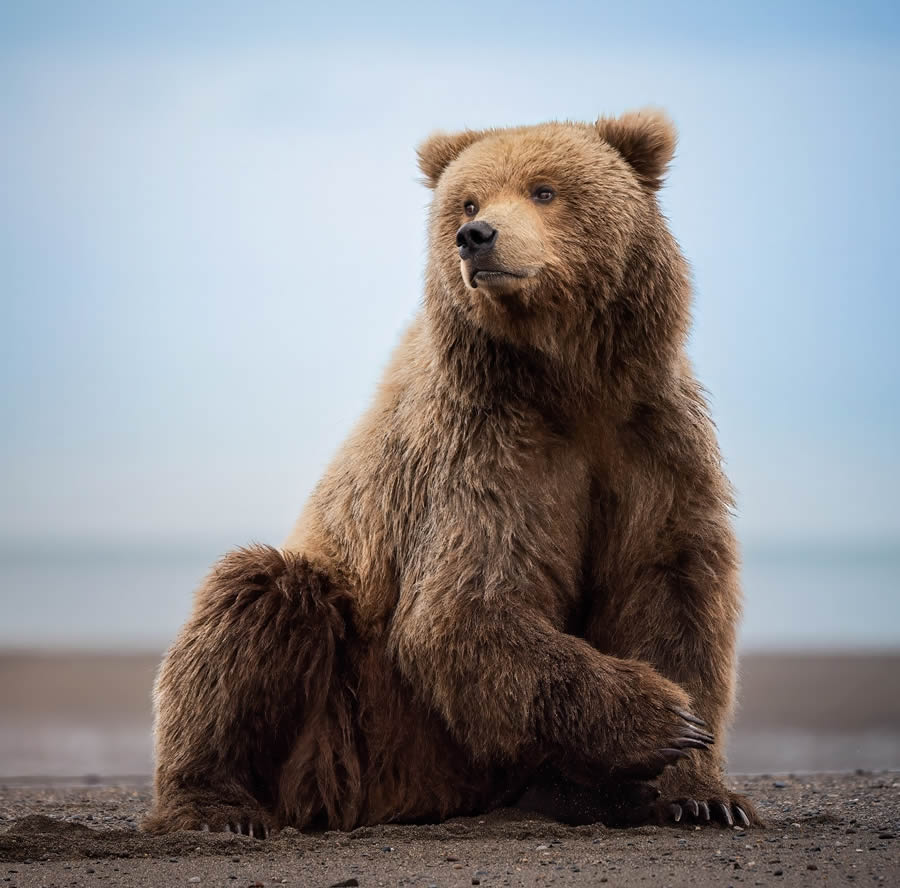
[494,276]
[491,276]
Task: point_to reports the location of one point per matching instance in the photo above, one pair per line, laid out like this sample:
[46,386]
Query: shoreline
[66,715]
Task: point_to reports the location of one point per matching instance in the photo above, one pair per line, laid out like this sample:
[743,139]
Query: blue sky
[180,181]
[499,24]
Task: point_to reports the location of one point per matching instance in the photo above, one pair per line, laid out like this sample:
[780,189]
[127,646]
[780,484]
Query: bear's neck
[486,372]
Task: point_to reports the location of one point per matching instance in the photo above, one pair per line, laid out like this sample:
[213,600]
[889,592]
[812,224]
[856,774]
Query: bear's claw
[729,814]
[686,737]
[251,829]
[688,716]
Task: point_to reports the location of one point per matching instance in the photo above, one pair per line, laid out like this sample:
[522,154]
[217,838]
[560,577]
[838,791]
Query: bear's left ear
[439,149]
[646,139]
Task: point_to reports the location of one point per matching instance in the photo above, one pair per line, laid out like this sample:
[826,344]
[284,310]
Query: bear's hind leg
[256,661]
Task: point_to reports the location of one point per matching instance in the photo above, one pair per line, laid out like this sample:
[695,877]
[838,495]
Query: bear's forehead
[550,151]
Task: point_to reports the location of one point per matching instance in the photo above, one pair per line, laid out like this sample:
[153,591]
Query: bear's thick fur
[517,582]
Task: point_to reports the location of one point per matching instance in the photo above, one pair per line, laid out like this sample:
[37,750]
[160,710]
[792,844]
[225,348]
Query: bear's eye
[543,194]
[470,208]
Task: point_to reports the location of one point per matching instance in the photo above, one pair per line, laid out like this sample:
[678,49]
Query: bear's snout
[475,238]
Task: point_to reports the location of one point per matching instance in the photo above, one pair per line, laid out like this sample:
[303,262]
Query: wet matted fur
[518,578]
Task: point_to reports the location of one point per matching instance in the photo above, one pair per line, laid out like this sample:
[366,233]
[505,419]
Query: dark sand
[830,830]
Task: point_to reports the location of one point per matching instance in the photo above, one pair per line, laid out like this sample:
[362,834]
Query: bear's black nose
[474,238]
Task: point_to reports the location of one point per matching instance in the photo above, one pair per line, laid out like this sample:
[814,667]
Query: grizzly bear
[517,583]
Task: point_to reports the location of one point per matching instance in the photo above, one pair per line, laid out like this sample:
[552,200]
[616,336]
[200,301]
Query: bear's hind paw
[213,818]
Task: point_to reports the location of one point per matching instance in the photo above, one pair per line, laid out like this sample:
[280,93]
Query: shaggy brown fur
[518,578]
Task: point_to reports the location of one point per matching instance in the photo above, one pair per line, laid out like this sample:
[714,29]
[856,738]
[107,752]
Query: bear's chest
[630,503]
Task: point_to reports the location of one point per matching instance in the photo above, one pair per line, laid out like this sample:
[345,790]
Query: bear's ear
[646,139]
[439,149]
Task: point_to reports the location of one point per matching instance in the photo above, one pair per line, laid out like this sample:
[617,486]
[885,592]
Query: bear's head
[543,236]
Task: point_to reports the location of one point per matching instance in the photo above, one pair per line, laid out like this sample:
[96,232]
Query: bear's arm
[476,635]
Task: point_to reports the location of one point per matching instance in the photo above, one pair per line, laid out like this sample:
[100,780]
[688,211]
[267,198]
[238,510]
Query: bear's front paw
[710,807]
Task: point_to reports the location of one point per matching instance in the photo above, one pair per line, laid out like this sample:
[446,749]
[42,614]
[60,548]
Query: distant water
[127,598]
[821,598]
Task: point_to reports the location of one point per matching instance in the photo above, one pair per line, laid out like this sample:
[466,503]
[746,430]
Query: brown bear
[517,583]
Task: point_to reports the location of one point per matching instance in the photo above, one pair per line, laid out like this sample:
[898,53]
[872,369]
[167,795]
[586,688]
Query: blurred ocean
[121,599]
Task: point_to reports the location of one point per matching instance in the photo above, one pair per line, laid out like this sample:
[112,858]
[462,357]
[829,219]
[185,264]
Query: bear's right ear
[439,149]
